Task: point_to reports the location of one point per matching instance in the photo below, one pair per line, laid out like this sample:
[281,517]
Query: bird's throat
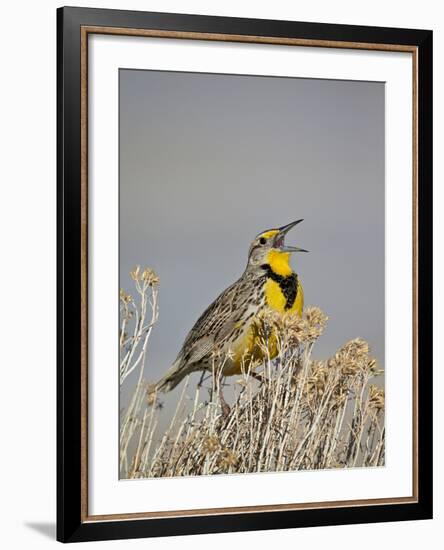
[282,289]
[279,262]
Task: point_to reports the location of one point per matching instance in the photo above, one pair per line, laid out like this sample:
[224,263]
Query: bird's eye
[262,240]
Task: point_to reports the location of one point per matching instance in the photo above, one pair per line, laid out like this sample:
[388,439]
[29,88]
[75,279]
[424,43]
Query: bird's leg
[202,379]
[267,334]
[224,405]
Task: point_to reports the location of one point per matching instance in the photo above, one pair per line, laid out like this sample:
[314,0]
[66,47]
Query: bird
[229,326]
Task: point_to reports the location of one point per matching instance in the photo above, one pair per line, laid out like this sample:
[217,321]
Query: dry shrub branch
[301,414]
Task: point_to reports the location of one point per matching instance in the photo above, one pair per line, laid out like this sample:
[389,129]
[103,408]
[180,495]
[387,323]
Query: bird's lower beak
[280,238]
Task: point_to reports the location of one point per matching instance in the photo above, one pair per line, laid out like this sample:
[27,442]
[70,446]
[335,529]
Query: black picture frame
[72,524]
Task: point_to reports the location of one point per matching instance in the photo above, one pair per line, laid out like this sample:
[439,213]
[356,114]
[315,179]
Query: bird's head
[269,248]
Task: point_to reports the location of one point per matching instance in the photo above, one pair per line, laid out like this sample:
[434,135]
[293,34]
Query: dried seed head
[356,349]
[340,395]
[376,398]
[230,354]
[316,321]
[373,367]
[353,358]
[298,330]
[349,367]
[227,458]
[150,277]
[318,380]
[135,273]
[289,329]
[210,444]
[219,356]
[124,297]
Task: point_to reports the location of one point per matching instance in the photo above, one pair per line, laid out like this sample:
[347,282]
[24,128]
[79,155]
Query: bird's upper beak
[279,240]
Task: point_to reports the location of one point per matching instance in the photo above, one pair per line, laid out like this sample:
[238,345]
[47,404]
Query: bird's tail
[172,377]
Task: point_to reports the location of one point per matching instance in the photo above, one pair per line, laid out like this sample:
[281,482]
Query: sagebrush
[289,413]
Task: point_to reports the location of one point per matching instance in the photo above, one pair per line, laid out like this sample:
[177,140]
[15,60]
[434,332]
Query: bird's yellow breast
[277,301]
[247,348]
[279,263]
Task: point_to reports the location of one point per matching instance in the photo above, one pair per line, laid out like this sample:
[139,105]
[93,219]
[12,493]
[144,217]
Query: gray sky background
[208,161]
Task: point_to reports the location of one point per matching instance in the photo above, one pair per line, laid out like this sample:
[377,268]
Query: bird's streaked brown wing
[210,332]
[216,322]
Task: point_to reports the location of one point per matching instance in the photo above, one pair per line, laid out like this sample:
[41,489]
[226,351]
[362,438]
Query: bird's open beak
[279,241]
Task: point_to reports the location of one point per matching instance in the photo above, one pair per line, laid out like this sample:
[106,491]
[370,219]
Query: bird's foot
[224,405]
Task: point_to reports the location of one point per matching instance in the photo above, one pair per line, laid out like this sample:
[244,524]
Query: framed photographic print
[244,274]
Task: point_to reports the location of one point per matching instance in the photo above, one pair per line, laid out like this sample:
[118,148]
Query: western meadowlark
[229,327]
